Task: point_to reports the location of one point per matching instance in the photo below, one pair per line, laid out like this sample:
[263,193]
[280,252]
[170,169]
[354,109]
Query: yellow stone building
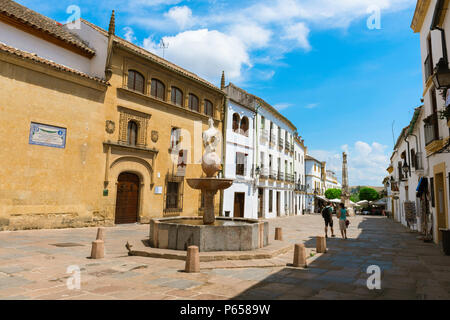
[82,150]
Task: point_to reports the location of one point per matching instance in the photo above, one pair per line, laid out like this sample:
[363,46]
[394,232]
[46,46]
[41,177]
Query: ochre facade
[77,186]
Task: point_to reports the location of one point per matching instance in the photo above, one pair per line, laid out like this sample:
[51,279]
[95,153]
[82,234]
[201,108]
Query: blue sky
[339,82]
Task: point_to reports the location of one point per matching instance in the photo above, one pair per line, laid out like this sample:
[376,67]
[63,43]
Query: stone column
[208,213]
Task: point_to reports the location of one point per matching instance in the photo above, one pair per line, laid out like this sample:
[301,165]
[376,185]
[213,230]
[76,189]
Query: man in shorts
[327,214]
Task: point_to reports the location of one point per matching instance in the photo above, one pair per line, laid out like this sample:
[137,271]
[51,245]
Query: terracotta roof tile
[37,21]
[33,57]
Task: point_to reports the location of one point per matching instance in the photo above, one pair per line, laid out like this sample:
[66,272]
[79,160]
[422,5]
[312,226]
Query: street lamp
[405,168]
[441,76]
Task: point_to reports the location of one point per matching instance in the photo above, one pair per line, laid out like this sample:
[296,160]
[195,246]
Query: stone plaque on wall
[410,210]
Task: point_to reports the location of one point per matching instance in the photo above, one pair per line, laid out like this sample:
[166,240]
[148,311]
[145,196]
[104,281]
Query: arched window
[177,96]
[244,126]
[158,89]
[209,111]
[236,119]
[193,102]
[132,133]
[135,81]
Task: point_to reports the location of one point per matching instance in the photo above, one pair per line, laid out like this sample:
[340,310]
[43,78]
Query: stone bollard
[101,234]
[321,245]
[192,260]
[98,249]
[279,234]
[299,256]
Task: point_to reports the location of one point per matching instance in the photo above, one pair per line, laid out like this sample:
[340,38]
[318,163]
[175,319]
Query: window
[236,119]
[429,59]
[244,126]
[158,89]
[193,102]
[177,96]
[413,159]
[241,161]
[263,123]
[270,200]
[172,195]
[209,110]
[135,81]
[174,137]
[132,135]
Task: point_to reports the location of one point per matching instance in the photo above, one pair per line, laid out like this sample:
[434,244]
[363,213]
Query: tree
[368,194]
[333,194]
[355,198]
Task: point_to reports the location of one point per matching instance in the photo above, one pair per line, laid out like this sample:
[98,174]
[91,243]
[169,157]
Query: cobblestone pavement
[33,265]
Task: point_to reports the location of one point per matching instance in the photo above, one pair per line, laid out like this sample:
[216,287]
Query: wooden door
[278,204]
[127,201]
[239,204]
[261,202]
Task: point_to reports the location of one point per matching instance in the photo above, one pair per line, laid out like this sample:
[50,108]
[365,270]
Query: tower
[345,197]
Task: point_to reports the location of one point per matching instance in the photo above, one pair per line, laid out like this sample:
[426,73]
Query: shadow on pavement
[405,263]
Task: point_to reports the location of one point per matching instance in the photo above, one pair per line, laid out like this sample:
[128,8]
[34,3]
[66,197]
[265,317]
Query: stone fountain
[208,232]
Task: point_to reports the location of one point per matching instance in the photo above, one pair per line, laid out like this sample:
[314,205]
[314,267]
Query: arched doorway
[127,201]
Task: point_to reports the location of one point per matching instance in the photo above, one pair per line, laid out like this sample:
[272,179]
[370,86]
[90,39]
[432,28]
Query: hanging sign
[46,135]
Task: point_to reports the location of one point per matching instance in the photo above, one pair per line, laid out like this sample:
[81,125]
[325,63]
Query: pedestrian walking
[327,214]
[342,215]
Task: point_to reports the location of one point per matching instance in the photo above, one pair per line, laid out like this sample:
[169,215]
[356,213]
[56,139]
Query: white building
[315,182]
[432,21]
[331,181]
[78,46]
[275,158]
[240,199]
[299,176]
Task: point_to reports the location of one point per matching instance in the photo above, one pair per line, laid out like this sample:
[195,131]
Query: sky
[346,73]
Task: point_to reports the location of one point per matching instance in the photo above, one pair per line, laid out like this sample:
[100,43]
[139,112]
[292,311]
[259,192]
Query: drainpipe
[409,156]
[434,26]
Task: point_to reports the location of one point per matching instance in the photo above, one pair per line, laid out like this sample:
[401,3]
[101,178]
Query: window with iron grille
[174,137]
[241,161]
[135,81]
[174,194]
[158,89]
[132,135]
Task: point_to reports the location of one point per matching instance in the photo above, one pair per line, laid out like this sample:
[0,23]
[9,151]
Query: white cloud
[129,34]
[298,32]
[182,16]
[206,52]
[312,106]
[252,35]
[367,163]
[282,106]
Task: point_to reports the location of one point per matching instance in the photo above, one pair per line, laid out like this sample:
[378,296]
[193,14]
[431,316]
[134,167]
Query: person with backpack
[327,215]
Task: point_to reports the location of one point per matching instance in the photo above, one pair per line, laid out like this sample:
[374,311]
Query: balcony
[419,161]
[272,139]
[273,174]
[289,178]
[264,173]
[280,142]
[281,176]
[264,136]
[430,129]
[428,68]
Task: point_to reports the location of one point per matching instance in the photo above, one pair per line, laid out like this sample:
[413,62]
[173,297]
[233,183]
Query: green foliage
[368,194]
[333,194]
[355,198]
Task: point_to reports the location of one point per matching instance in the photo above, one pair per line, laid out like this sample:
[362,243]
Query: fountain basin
[210,184]
[226,234]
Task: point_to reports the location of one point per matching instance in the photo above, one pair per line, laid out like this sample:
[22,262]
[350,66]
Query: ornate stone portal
[211,165]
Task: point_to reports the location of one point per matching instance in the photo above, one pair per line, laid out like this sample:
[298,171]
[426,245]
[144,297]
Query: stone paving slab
[31,267]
